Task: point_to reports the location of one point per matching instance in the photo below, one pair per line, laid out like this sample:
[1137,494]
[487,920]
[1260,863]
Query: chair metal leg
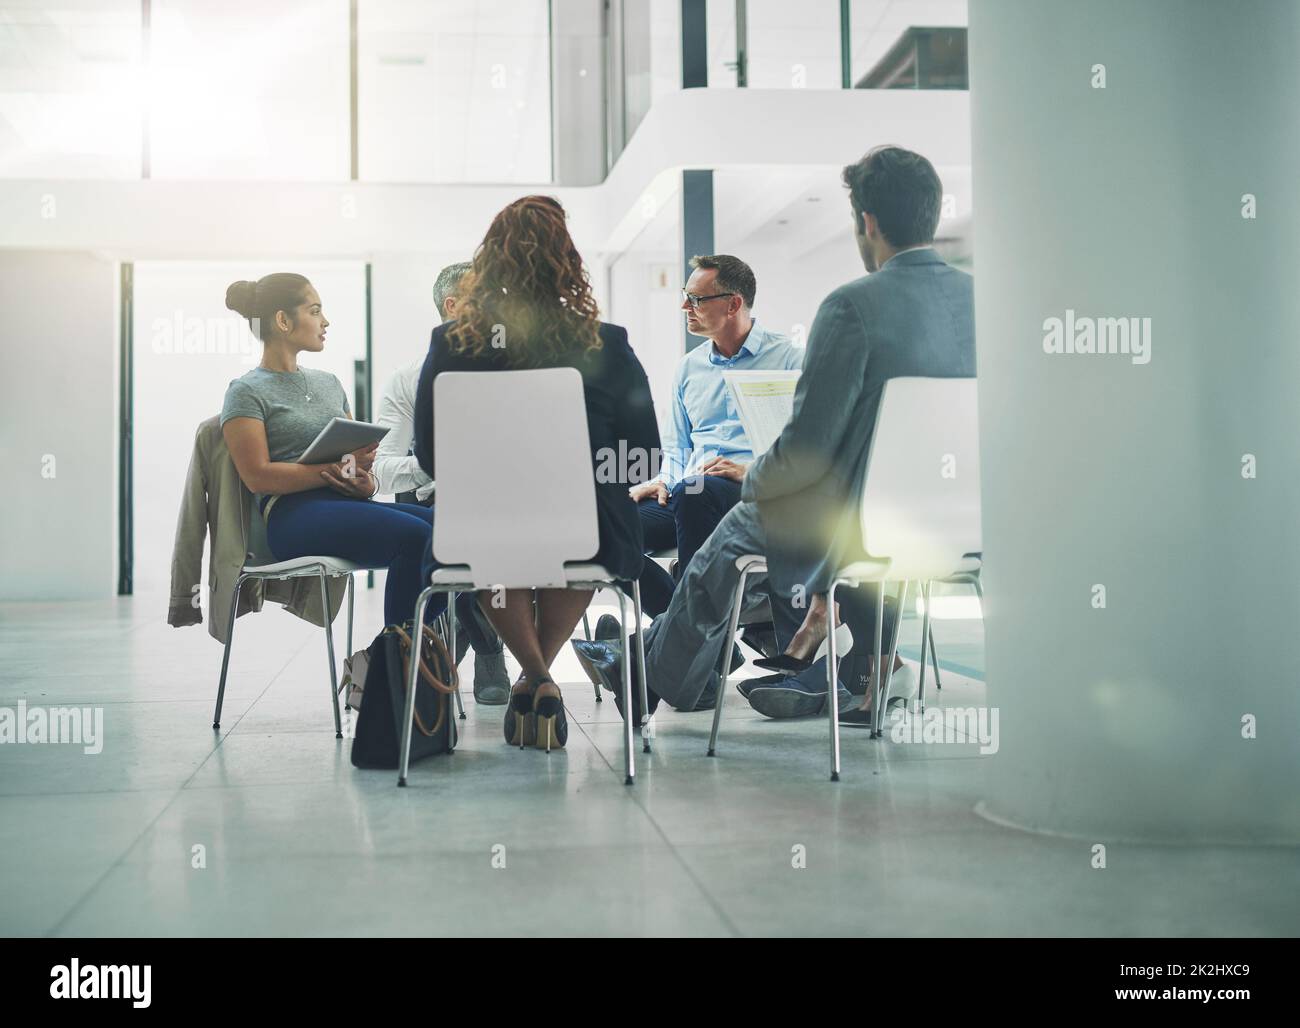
[451,645]
[647,727]
[974,581]
[225,657]
[451,624]
[629,767]
[832,685]
[412,679]
[926,587]
[934,658]
[586,633]
[351,592]
[883,709]
[443,626]
[724,662]
[877,657]
[329,649]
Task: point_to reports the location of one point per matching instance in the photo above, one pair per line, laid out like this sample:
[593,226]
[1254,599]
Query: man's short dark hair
[901,190]
[734,275]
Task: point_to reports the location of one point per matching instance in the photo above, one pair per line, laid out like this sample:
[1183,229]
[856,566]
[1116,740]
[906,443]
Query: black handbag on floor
[383,700]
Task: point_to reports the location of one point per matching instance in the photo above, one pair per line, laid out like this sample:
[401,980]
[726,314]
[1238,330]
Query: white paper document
[764,400]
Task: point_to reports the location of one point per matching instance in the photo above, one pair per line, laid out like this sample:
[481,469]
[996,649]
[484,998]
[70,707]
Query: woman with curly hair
[527,285]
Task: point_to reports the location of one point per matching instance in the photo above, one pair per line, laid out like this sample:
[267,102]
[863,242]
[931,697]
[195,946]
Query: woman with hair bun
[528,279]
[270,417]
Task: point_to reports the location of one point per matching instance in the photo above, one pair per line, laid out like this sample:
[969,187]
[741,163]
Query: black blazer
[619,410]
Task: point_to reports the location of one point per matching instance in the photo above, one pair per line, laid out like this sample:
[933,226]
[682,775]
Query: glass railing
[657,46]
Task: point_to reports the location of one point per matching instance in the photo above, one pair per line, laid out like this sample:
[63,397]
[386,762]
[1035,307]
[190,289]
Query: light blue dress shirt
[705,423]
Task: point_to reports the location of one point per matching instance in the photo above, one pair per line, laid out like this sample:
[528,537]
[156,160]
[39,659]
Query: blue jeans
[391,535]
[695,506]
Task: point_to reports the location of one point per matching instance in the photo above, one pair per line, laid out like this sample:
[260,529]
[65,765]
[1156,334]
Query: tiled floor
[296,841]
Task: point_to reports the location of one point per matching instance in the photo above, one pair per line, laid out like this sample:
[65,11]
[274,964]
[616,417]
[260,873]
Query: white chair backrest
[921,499]
[516,496]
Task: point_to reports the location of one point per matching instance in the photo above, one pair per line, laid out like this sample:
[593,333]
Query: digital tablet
[340,436]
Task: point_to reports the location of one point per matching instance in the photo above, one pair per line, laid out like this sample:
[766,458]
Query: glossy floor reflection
[267,829]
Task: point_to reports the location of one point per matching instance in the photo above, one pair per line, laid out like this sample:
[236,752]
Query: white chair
[669,555]
[920,511]
[749,564]
[920,504]
[517,504]
[261,566]
[967,574]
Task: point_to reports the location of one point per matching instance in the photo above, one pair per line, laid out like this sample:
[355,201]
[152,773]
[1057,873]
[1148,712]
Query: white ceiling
[794,210]
[799,210]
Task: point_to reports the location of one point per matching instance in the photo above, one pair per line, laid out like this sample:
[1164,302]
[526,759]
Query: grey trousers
[684,644]
[683,647]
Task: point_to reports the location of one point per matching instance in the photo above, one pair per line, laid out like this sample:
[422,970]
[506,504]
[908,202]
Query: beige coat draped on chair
[218,507]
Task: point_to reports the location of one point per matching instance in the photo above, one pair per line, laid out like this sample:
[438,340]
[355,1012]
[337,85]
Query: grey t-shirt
[294,406]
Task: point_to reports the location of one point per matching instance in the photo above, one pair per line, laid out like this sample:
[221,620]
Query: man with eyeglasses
[705,448]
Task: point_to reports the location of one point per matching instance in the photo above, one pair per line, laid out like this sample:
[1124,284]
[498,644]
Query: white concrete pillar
[1169,479]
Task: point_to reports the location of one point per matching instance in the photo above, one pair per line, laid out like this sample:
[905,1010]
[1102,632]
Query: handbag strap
[440,650]
[444,690]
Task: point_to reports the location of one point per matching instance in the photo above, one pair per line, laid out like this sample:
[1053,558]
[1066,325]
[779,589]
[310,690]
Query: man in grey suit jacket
[913,316]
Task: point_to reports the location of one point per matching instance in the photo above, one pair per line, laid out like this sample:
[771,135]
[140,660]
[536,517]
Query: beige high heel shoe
[521,721]
[552,727]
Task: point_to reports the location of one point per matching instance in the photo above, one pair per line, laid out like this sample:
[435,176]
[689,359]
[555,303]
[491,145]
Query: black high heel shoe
[552,726]
[521,721]
[784,662]
[791,665]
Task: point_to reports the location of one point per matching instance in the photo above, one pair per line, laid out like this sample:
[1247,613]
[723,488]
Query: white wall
[650,314]
[577,92]
[402,311]
[188,347]
[58,397]
[790,289]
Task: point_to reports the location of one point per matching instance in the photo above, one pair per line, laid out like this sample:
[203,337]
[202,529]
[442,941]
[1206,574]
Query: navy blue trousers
[695,506]
[395,536]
